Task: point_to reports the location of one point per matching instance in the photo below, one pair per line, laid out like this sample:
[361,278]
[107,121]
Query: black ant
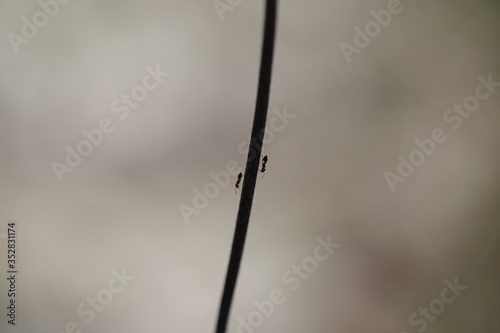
[263,170]
[237,185]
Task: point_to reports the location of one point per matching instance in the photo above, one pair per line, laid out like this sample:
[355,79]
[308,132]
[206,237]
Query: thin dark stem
[252,167]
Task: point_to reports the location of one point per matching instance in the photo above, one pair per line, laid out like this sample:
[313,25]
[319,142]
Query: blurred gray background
[121,207]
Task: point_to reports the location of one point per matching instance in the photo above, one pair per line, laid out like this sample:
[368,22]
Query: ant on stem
[240,175]
[263,170]
[237,185]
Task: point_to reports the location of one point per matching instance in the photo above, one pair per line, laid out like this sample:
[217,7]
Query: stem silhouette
[252,166]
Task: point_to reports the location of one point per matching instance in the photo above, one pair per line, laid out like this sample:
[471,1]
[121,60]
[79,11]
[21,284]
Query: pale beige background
[325,171]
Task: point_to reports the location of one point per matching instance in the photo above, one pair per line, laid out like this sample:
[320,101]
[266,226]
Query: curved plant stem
[252,167]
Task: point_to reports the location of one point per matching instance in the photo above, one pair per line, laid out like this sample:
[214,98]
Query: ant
[263,170]
[237,185]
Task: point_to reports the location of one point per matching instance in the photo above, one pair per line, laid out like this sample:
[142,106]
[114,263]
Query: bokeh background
[120,207]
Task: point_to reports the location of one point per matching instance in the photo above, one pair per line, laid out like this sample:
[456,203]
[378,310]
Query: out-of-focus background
[345,105]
